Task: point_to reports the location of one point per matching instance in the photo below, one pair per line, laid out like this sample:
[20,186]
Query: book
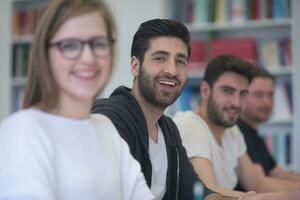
[238,11]
[269,53]
[245,47]
[287,87]
[198,55]
[285,49]
[220,11]
[281,109]
[25,21]
[201,8]
[280,8]
[20,59]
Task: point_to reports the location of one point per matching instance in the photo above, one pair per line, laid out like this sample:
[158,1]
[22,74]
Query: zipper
[177,181]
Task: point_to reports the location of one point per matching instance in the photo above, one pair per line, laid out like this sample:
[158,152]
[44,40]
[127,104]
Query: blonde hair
[42,90]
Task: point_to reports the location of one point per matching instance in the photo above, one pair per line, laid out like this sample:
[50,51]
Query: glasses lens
[100,46]
[70,48]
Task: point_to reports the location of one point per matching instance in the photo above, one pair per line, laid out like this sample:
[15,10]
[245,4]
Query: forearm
[261,196]
[290,176]
[269,184]
[273,196]
[216,196]
[227,192]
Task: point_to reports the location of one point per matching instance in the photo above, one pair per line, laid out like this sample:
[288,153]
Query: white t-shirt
[159,162]
[200,142]
[50,157]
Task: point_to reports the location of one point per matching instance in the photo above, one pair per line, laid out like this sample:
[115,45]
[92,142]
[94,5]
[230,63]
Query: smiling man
[159,59]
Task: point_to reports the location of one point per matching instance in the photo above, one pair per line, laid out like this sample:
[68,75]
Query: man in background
[258,109]
[214,143]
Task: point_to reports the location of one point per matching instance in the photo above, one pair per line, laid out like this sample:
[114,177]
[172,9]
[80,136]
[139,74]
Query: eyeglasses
[72,48]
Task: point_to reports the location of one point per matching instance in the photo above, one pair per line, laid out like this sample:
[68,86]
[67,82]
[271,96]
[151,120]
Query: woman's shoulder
[22,118]
[104,125]
[22,129]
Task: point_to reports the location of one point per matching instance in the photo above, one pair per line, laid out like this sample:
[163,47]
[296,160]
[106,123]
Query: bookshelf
[23,19]
[296,84]
[257,35]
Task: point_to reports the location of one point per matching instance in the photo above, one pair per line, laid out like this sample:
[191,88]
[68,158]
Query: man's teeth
[167,83]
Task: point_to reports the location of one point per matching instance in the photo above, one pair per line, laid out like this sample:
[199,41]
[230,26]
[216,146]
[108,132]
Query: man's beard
[214,113]
[257,118]
[151,95]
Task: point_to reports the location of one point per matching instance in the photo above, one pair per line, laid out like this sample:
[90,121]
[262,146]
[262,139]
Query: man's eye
[258,95]
[159,58]
[227,90]
[182,62]
[244,94]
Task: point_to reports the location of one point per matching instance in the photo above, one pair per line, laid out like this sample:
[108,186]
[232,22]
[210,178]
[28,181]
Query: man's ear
[135,66]
[205,90]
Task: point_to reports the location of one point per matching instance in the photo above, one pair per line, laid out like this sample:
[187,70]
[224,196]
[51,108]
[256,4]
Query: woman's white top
[50,157]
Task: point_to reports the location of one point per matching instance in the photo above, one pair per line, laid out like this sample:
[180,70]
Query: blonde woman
[53,149]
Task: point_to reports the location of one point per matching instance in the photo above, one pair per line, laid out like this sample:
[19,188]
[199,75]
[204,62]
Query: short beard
[215,115]
[149,94]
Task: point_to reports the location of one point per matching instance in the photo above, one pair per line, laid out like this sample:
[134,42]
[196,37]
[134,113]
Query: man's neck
[217,131]
[151,113]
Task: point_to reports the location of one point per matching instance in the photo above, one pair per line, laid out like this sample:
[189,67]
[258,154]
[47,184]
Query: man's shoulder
[167,121]
[187,119]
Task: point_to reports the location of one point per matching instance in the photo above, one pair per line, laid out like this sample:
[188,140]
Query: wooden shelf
[22,39]
[19,81]
[229,26]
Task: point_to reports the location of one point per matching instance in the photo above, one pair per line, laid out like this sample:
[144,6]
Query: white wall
[129,14]
[5,27]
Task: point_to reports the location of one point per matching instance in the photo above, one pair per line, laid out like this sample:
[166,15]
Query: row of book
[272,54]
[20,59]
[235,11]
[25,21]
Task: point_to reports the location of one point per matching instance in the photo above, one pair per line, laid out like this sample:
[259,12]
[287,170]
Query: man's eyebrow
[160,52]
[227,87]
[180,55]
[233,88]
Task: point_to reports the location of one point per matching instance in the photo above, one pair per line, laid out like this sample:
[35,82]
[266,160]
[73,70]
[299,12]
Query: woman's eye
[70,46]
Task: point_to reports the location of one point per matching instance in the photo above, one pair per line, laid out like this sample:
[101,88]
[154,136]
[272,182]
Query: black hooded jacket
[126,114]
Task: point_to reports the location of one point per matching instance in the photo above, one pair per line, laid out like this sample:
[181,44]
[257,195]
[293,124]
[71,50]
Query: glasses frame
[82,43]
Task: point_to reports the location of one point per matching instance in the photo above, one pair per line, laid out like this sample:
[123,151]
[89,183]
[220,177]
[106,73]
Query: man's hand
[248,196]
[294,192]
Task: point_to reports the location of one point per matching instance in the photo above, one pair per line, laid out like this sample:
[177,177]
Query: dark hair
[42,90]
[155,28]
[229,63]
[263,73]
